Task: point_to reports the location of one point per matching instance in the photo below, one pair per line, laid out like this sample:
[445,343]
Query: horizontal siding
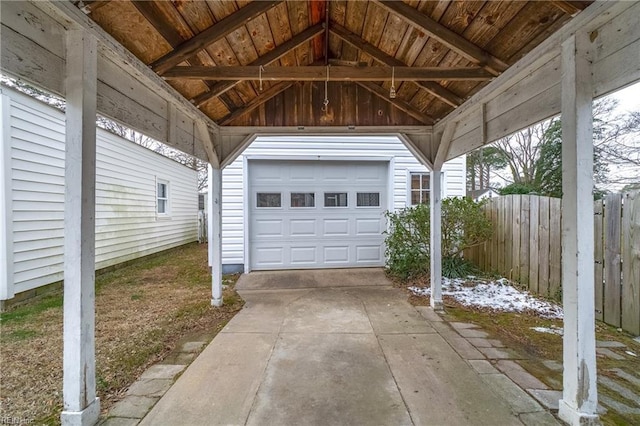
[126,223]
[404,161]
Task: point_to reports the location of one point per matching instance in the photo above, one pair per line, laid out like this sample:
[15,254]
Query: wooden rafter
[152,13]
[257,101]
[319,73]
[569,7]
[431,87]
[445,36]
[380,92]
[211,35]
[91,6]
[219,88]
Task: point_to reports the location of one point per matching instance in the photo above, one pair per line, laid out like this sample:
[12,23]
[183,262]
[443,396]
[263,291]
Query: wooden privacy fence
[526,246]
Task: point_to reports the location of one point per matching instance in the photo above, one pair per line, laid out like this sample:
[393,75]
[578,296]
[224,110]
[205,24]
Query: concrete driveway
[337,347]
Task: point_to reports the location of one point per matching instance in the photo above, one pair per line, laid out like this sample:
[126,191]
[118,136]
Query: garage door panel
[304,255]
[367,254]
[336,254]
[372,226]
[303,227]
[335,227]
[269,256]
[311,232]
[269,228]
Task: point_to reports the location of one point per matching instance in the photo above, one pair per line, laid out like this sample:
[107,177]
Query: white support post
[215,233]
[579,398]
[435,235]
[6,204]
[209,202]
[81,406]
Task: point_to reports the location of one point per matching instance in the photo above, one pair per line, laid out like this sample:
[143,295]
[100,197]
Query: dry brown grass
[142,310]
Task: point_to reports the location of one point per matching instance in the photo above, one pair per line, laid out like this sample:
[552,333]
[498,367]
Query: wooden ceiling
[266,63]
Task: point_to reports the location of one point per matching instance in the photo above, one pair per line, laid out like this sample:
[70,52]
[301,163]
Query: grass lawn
[142,311]
[515,331]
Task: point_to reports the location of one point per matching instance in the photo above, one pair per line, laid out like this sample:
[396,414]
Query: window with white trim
[420,187]
[335,199]
[268,200]
[162,197]
[368,199]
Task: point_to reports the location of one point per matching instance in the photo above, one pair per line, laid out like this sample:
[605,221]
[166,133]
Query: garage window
[269,199]
[420,183]
[335,199]
[368,199]
[303,199]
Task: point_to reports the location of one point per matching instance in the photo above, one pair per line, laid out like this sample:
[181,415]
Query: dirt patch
[142,312]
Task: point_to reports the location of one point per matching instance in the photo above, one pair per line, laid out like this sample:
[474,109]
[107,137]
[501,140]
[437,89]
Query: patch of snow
[552,330]
[630,353]
[498,295]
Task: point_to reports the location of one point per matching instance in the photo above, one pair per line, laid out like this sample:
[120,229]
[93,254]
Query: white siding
[347,146]
[127,226]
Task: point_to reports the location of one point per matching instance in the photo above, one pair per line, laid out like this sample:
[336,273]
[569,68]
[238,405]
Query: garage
[316,214]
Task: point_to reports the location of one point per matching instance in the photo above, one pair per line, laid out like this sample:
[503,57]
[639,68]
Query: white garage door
[317,214]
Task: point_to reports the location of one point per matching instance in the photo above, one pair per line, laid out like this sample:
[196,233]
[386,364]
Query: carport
[207,81]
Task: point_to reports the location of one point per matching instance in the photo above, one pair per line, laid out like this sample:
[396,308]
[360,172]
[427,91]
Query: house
[482,194]
[320,201]
[145,203]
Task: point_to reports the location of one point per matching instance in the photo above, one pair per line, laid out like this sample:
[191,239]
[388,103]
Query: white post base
[87,417]
[437,305]
[216,302]
[573,417]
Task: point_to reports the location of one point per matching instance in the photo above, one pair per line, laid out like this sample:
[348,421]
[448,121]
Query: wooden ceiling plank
[221,87]
[445,36]
[433,88]
[212,34]
[92,6]
[398,103]
[152,13]
[319,73]
[257,101]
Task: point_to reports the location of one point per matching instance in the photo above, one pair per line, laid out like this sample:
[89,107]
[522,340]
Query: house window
[269,199]
[368,199]
[162,195]
[335,199]
[420,183]
[303,199]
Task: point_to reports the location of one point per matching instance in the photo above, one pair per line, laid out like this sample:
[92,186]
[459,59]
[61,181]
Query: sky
[629,98]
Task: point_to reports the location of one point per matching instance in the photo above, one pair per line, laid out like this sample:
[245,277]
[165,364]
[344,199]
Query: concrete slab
[552,365]
[497,353]
[540,418]
[469,332]
[314,278]
[517,398]
[619,389]
[462,325]
[326,310]
[389,311]
[626,376]
[429,314]
[480,342]
[548,398]
[463,347]
[425,368]
[609,344]
[608,353]
[519,375]
[150,387]
[119,421]
[162,371]
[482,366]
[132,406]
[219,386]
[332,379]
[618,406]
[263,312]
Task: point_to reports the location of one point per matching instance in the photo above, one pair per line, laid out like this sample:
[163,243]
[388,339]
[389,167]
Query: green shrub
[464,225]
